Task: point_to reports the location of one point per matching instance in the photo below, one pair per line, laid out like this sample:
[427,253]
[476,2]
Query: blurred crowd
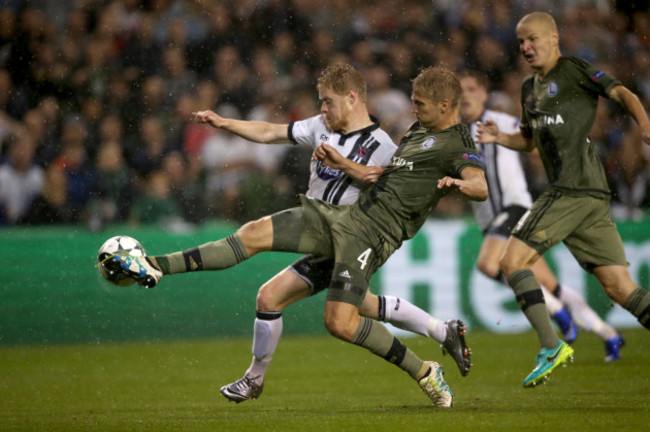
[96,95]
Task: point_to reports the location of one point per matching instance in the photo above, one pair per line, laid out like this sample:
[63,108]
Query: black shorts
[505,221]
[315,270]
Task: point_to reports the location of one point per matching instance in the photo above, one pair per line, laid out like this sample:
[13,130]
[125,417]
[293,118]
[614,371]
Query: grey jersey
[558,111]
[400,201]
[503,172]
[369,146]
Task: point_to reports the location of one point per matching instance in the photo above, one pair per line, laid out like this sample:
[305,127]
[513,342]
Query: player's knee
[256,235]
[248,231]
[266,300]
[616,282]
[338,328]
[618,291]
[509,265]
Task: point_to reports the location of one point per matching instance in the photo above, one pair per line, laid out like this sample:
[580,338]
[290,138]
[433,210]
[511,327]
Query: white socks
[584,315]
[407,316]
[266,335]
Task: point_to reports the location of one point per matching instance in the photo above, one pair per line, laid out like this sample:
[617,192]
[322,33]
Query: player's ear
[556,38]
[445,105]
[352,96]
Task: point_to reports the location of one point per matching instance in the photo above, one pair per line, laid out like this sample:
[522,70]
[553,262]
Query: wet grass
[317,383]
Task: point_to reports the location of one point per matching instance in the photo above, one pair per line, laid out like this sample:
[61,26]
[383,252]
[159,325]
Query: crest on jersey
[551,90]
[428,143]
[362,152]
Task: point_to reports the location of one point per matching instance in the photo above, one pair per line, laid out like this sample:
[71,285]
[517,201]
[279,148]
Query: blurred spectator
[111,129]
[91,78]
[141,55]
[112,188]
[90,116]
[227,160]
[47,134]
[194,134]
[630,180]
[391,106]
[234,77]
[13,100]
[156,204]
[284,54]
[7,125]
[221,31]
[7,30]
[21,180]
[148,149]
[177,79]
[115,66]
[149,101]
[73,161]
[52,205]
[35,126]
[187,186]
[118,94]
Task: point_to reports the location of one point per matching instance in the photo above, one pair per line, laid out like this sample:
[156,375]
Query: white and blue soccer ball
[118,245]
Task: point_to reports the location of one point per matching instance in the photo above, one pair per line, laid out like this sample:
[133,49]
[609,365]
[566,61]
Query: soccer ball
[117,245]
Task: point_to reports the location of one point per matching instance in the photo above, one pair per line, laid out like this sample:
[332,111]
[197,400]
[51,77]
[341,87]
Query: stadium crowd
[96,96]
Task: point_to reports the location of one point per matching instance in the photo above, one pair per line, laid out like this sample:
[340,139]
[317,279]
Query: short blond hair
[341,78]
[439,83]
[543,18]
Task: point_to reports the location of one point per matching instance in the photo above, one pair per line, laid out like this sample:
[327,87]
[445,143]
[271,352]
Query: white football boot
[434,385]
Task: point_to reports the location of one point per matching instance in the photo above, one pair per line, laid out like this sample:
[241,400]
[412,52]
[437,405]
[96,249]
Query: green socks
[376,338]
[531,301]
[217,255]
[638,303]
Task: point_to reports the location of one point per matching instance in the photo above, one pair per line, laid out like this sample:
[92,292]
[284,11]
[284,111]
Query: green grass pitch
[317,383]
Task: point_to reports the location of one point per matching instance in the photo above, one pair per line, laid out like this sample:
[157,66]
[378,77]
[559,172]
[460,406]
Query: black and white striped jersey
[369,146]
[504,173]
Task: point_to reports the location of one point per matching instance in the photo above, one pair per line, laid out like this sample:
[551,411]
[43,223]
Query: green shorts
[583,223]
[340,232]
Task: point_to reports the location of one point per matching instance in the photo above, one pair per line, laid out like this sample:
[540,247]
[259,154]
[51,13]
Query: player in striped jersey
[508,201]
[346,126]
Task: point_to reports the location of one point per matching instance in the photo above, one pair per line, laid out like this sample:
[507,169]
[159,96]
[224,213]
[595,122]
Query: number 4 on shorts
[363,258]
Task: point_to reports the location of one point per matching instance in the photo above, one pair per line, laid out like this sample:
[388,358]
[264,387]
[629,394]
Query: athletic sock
[216,255]
[266,335]
[405,315]
[376,338]
[639,304]
[583,314]
[531,301]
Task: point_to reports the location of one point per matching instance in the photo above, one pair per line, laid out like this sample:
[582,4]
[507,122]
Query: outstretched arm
[261,132]
[332,158]
[632,105]
[472,184]
[488,133]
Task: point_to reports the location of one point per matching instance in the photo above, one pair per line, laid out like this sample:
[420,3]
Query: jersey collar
[372,127]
